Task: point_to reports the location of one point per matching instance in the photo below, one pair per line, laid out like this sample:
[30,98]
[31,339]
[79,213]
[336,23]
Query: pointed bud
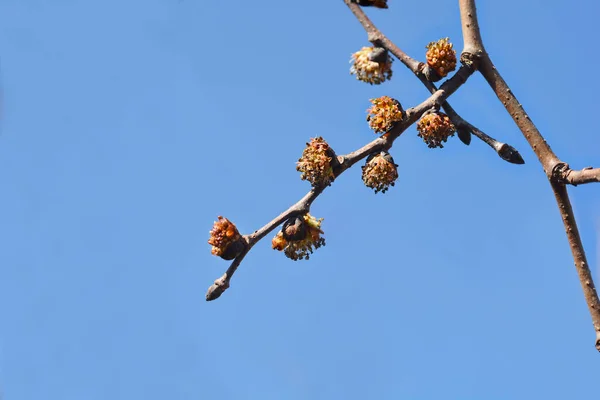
[508,153]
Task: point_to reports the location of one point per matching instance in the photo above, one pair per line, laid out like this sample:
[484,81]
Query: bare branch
[554,168]
[533,136]
[384,142]
[470,28]
[505,151]
[581,264]
[585,175]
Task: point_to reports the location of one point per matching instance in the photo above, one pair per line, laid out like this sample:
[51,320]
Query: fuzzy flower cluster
[225,239]
[371,65]
[441,56]
[303,241]
[435,128]
[315,163]
[384,113]
[380,172]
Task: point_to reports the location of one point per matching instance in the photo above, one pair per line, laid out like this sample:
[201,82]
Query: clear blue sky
[128,126]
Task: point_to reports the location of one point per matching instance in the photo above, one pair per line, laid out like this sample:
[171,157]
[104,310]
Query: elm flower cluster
[380,172]
[441,57]
[302,241]
[315,163]
[435,128]
[384,113]
[371,65]
[225,239]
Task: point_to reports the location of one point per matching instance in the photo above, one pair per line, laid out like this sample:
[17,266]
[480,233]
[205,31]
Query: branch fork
[473,58]
[557,171]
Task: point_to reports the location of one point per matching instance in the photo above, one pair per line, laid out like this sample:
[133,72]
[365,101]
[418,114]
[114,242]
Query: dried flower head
[435,128]
[304,246]
[225,239]
[371,65]
[380,172]
[279,242]
[372,3]
[441,56]
[384,113]
[315,163]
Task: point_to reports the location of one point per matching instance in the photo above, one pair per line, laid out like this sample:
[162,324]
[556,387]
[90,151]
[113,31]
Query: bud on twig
[317,162]
[380,172]
[225,239]
[441,57]
[434,128]
[384,114]
[508,153]
[372,65]
[298,239]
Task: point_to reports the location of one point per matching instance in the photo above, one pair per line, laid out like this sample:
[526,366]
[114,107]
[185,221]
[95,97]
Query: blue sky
[128,126]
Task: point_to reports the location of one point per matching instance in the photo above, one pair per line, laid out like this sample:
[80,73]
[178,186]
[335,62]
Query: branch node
[559,172]
[429,73]
[470,59]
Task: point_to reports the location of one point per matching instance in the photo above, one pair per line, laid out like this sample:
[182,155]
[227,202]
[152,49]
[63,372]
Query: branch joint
[559,173]
[471,59]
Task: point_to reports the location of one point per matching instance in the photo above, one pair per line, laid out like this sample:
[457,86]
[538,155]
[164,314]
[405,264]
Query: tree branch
[384,142]
[533,136]
[504,150]
[578,177]
[380,40]
[464,129]
[556,170]
[472,43]
[301,207]
[581,264]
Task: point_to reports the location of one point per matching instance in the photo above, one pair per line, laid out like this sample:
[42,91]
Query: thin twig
[377,38]
[302,206]
[554,168]
[504,150]
[384,142]
[578,177]
[542,150]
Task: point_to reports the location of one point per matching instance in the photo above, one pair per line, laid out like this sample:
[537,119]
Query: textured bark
[558,172]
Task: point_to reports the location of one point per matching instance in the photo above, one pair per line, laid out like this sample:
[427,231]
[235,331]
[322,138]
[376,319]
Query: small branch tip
[216,289]
[510,154]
